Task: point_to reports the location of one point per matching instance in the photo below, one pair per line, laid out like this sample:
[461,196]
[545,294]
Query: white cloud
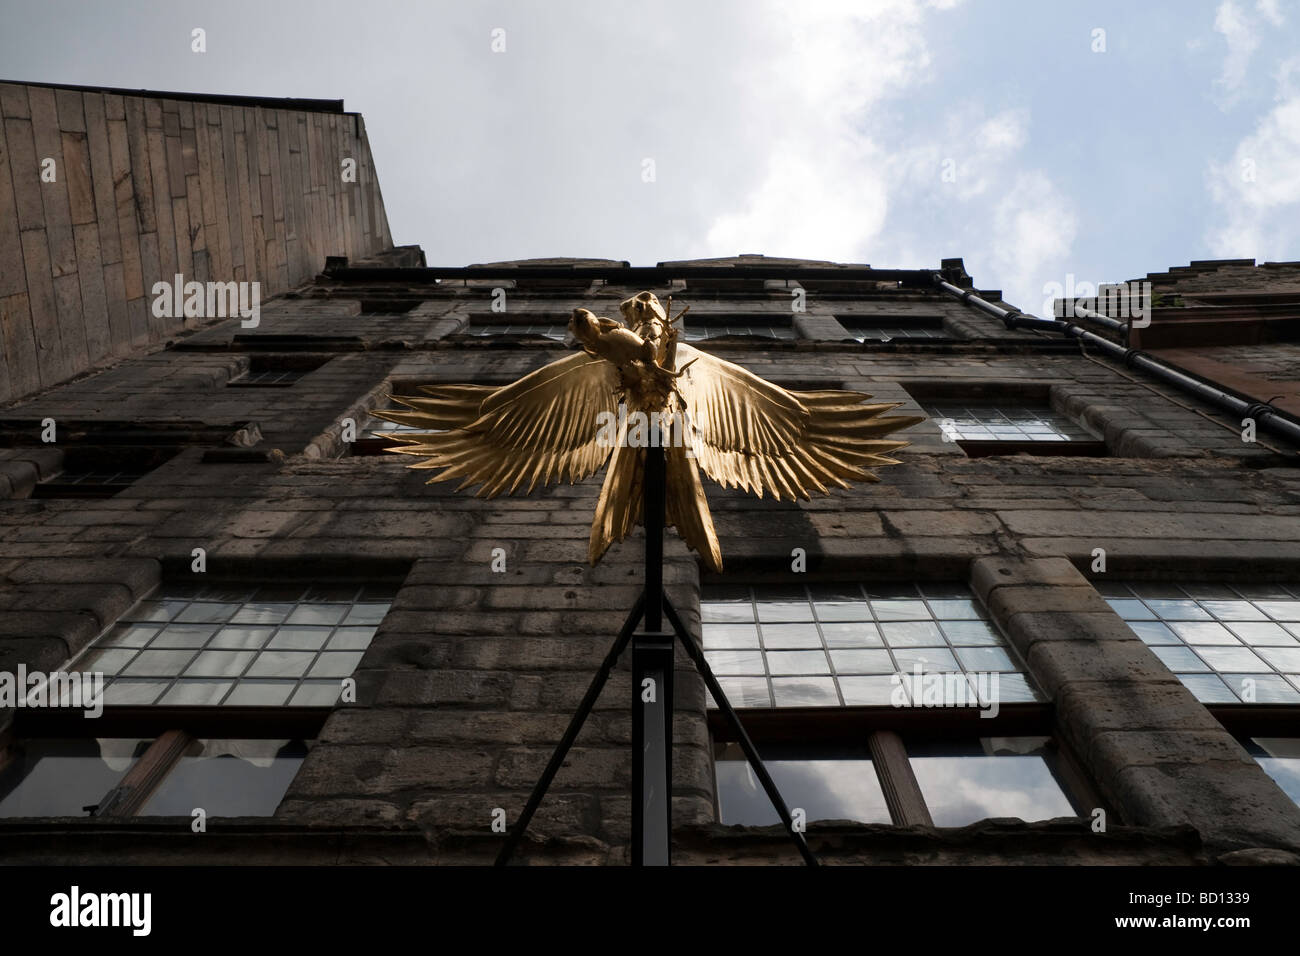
[1032,233]
[825,186]
[1239,32]
[1270,11]
[1258,189]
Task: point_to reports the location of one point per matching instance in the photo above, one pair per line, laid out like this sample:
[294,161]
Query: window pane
[823,789]
[866,630]
[1280,759]
[963,789]
[58,778]
[207,640]
[1224,642]
[229,778]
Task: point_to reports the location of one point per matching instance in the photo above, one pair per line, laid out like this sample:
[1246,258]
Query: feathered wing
[749,433]
[686,508]
[544,428]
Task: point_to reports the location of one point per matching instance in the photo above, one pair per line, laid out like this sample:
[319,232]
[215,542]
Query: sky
[1042,142]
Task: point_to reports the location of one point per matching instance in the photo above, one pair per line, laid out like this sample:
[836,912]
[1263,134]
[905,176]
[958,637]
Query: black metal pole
[652,687]
[571,734]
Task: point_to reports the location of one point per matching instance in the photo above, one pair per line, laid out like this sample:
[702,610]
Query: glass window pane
[852,635]
[219,664]
[872,691]
[985,659]
[746,691]
[234,637]
[290,637]
[824,789]
[1153,632]
[1203,632]
[110,660]
[734,637]
[961,633]
[858,610]
[351,638]
[367,614]
[791,635]
[335,664]
[260,693]
[734,663]
[1268,634]
[182,635]
[1208,688]
[805,692]
[131,693]
[281,664]
[900,610]
[960,790]
[1228,660]
[955,610]
[201,612]
[862,662]
[776,611]
[1280,759]
[262,613]
[797,662]
[928,658]
[712,612]
[60,778]
[912,634]
[316,693]
[197,693]
[159,663]
[131,635]
[317,614]
[1180,658]
[229,778]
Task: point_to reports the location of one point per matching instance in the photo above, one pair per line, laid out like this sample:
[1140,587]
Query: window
[557,332]
[1279,757]
[1228,644]
[761,325]
[370,441]
[213,696]
[880,703]
[277,371]
[950,783]
[237,645]
[269,378]
[979,422]
[1004,428]
[64,777]
[101,471]
[170,776]
[842,645]
[883,328]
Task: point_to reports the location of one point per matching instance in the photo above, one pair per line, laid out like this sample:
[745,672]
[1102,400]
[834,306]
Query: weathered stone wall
[137,189]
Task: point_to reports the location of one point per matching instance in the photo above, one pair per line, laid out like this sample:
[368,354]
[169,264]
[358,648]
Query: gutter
[1266,416]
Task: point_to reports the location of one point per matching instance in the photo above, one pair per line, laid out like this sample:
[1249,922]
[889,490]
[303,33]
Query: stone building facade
[313,656]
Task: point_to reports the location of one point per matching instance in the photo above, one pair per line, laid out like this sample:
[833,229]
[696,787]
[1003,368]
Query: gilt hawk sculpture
[633,380]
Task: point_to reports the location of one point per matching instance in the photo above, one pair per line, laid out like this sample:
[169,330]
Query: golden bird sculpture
[634,385]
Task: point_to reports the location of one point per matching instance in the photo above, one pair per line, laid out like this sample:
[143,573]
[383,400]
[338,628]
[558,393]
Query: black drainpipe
[1266,416]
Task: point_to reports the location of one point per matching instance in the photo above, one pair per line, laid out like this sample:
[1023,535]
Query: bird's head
[641,308]
[583,326]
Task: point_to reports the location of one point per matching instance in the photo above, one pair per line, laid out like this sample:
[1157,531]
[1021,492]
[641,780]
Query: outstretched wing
[757,436]
[544,428]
